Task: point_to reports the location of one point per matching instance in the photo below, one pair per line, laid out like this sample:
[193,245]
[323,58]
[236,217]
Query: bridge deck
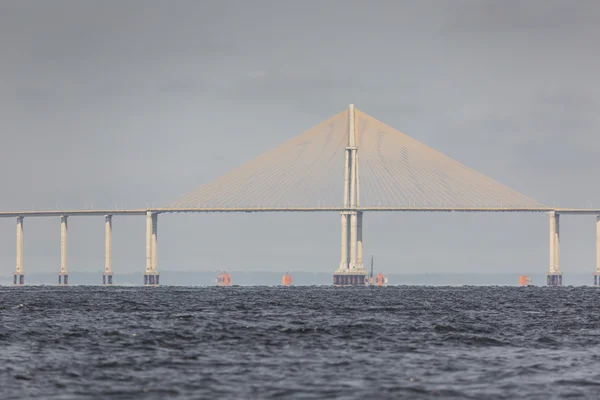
[70,213]
[140,211]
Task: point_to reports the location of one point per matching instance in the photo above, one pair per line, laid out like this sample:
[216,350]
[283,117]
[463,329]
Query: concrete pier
[155,249]
[554,276]
[151,275]
[597,273]
[107,276]
[63,276]
[148,271]
[19,276]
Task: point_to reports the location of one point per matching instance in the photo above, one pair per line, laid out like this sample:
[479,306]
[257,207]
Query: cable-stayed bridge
[351,164]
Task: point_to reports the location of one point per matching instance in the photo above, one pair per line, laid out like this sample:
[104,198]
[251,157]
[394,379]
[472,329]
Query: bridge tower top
[351,127]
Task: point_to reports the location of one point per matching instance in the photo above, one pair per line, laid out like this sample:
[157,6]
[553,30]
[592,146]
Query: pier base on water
[63,279]
[18,279]
[151,279]
[107,279]
[554,279]
[597,279]
[350,277]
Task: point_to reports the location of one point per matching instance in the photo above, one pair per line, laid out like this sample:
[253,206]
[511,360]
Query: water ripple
[299,342]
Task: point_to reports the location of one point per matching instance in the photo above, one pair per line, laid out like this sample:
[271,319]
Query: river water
[299,342]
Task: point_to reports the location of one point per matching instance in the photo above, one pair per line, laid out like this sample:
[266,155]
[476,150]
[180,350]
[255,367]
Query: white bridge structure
[349,164]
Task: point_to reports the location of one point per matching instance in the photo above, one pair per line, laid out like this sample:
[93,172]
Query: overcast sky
[133,103]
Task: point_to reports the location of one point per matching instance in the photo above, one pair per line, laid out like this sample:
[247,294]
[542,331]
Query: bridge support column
[597,273]
[155,249]
[554,276]
[63,276]
[353,217]
[107,276]
[359,247]
[148,271]
[151,276]
[344,245]
[353,239]
[19,276]
[351,272]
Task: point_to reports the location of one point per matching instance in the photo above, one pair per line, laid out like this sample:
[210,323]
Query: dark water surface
[299,342]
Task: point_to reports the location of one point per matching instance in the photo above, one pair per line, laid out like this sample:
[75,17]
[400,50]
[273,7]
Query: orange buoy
[224,279]
[286,280]
[524,280]
[379,279]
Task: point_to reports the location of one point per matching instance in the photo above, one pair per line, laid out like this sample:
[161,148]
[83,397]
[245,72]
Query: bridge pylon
[351,271]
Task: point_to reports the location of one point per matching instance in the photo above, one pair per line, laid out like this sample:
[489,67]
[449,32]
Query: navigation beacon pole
[554,277]
[351,271]
[107,276]
[19,276]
